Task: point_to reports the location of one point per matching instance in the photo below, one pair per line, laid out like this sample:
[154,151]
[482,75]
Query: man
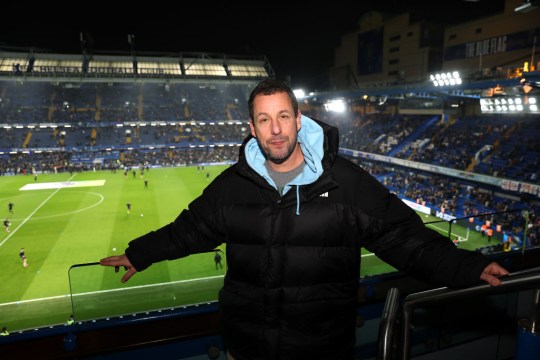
[294,215]
[128,206]
[22,255]
[10,207]
[217,260]
[6,225]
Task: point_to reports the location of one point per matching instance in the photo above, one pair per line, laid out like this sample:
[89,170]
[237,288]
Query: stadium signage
[58,69]
[78,70]
[444,216]
[504,184]
[418,207]
[490,46]
[154,71]
[494,45]
[520,187]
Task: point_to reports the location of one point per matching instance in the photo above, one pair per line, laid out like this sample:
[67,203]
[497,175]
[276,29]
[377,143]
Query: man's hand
[491,274]
[118,261]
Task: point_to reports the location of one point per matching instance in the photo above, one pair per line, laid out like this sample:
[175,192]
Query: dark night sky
[299,41]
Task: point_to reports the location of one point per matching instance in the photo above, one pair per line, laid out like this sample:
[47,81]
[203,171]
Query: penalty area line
[32,214]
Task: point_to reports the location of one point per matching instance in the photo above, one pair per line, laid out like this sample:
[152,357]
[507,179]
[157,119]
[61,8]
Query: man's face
[275,127]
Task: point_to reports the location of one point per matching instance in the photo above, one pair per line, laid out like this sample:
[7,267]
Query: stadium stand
[70,113]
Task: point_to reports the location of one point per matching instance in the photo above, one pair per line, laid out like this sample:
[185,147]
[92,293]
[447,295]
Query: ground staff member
[294,215]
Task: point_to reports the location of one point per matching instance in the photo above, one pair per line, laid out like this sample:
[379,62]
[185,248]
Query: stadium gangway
[390,347]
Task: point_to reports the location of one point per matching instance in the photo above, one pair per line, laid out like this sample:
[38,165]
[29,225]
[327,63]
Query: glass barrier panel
[96,291]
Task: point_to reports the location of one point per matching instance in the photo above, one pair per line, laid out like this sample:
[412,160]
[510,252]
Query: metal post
[528,337]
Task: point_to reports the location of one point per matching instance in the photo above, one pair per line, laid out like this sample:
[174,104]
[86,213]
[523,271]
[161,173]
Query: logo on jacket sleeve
[324,194]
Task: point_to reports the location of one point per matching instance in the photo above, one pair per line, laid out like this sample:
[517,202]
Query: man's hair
[270,87]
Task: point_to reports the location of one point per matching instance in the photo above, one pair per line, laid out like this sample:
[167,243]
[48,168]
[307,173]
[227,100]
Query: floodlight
[337,105]
[446,79]
[299,93]
[528,5]
[509,105]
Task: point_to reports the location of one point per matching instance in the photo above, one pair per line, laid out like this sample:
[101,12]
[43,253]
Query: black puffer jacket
[291,286]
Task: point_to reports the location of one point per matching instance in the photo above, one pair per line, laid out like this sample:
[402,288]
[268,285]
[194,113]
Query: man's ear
[298,121]
[252,128]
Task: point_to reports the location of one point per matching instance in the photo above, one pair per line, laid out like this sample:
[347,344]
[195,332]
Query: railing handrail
[387,328]
[522,280]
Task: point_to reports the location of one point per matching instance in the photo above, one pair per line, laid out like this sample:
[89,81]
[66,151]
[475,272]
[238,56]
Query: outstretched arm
[491,274]
[118,261]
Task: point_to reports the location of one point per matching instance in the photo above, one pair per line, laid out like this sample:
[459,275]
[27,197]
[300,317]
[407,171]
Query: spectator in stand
[294,215]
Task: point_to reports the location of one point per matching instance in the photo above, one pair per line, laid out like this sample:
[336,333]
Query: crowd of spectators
[54,127]
[462,199]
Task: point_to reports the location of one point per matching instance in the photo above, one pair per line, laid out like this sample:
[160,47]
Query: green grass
[60,228]
[471,240]
[79,225]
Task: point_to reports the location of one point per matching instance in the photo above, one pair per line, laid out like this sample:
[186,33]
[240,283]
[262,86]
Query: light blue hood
[311,139]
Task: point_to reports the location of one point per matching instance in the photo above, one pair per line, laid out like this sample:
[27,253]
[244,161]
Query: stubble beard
[279,157]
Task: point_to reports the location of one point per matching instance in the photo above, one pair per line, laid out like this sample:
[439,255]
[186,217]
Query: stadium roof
[80,67]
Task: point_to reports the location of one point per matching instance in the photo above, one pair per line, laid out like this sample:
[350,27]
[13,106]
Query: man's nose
[276,127]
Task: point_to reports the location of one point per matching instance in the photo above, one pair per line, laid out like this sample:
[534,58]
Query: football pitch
[67,222]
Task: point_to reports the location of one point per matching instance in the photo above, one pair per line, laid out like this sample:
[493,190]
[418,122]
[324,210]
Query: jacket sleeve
[195,230]
[397,235]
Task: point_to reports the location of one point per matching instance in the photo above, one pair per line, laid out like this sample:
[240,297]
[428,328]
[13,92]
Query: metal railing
[518,281]
[387,328]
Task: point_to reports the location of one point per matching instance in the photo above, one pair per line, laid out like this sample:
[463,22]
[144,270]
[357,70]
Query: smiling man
[294,215]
